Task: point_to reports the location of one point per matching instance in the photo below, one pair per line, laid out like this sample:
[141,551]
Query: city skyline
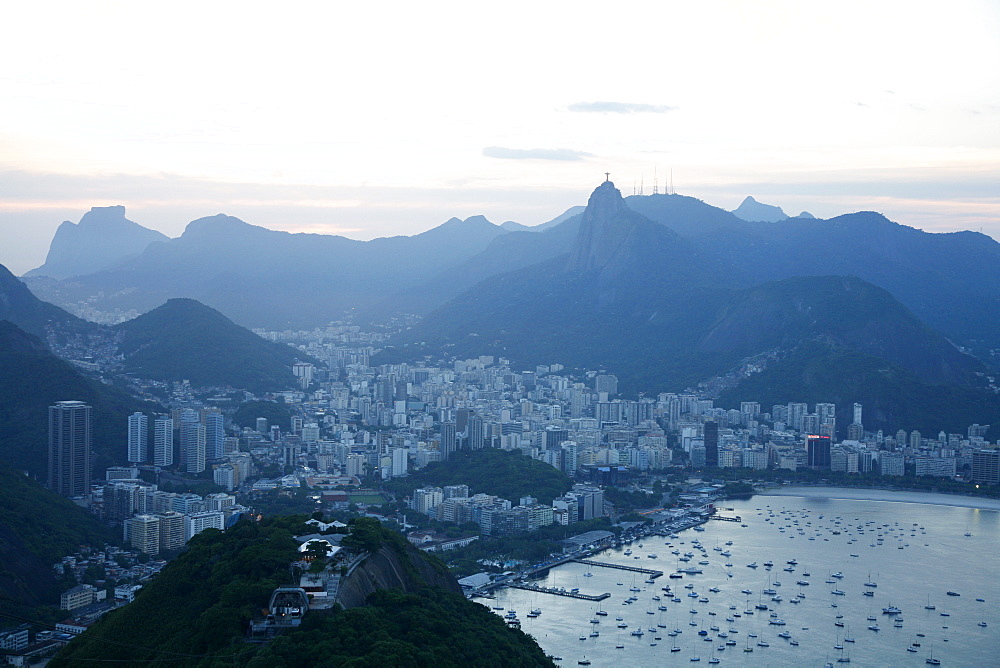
[348,124]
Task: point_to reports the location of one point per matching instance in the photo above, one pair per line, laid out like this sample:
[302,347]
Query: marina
[898,583]
[561,591]
[625,567]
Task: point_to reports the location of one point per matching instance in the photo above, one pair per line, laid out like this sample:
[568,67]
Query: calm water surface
[923,554]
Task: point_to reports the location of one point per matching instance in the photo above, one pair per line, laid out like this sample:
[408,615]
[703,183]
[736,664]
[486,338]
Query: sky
[379,119]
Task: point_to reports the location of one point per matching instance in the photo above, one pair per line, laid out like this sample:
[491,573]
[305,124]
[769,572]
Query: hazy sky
[374,119]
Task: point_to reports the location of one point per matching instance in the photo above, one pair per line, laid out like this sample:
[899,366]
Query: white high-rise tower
[138,436]
[163,441]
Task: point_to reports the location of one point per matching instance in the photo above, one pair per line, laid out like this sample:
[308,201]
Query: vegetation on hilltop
[248,412]
[504,473]
[196,612]
[893,398]
[186,340]
[434,628]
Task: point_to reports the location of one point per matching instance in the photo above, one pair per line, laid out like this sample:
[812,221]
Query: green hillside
[196,612]
[503,473]
[37,529]
[893,397]
[31,380]
[186,340]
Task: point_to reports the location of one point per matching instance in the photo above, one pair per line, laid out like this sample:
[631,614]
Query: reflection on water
[912,553]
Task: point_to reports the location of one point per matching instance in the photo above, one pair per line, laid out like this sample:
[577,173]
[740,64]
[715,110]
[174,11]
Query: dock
[635,569]
[562,592]
[726,519]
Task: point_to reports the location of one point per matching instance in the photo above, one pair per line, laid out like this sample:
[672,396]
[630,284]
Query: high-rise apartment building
[138,435]
[606,383]
[143,533]
[711,440]
[986,466]
[215,434]
[69,448]
[171,530]
[163,441]
[192,442]
[448,438]
[818,452]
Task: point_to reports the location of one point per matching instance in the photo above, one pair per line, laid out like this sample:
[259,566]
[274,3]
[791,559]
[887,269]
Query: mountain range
[264,278]
[665,290]
[180,340]
[665,310]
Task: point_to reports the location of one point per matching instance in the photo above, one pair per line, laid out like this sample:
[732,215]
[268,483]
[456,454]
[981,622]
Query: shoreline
[893,496]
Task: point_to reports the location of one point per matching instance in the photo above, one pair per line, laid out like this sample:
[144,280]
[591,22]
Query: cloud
[619,108]
[534,153]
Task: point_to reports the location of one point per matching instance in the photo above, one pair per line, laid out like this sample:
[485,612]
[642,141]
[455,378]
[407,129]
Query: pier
[635,569]
[726,519]
[562,592]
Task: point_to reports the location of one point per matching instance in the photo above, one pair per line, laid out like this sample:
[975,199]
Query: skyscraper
[818,452]
[448,430]
[711,435]
[69,448]
[192,441]
[215,434]
[606,383]
[163,441]
[138,435]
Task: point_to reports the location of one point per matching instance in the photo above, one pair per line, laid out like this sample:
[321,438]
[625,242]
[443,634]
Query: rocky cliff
[394,566]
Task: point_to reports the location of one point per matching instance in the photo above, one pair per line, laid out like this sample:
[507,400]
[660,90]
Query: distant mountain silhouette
[262,277]
[103,238]
[21,307]
[186,340]
[754,211]
[950,281]
[634,296]
[279,280]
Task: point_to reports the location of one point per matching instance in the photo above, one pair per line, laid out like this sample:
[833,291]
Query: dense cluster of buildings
[499,517]
[352,420]
[157,521]
[424,413]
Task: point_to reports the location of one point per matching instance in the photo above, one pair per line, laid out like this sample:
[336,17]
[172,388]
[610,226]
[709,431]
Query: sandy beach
[884,495]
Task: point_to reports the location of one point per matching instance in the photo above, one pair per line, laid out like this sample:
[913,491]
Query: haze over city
[444,334]
[344,120]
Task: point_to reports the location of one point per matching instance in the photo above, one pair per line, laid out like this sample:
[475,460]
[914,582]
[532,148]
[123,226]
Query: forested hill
[503,473]
[31,380]
[37,528]
[184,339]
[196,612]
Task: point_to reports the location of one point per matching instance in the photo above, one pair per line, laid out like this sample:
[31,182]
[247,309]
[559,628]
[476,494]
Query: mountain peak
[753,211]
[103,237]
[220,223]
[605,224]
